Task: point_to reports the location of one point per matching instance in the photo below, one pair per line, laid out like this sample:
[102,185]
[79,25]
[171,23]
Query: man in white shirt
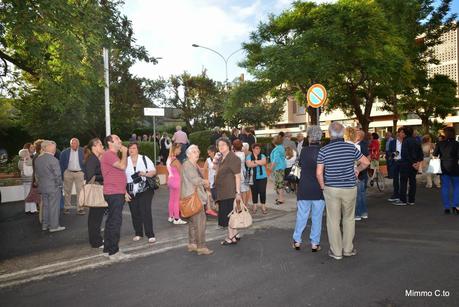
[395,150]
[71,161]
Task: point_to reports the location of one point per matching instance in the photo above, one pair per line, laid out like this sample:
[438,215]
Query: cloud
[168,29]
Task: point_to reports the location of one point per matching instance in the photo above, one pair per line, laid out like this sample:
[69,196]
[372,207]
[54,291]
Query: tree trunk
[312,112]
[425,124]
[394,125]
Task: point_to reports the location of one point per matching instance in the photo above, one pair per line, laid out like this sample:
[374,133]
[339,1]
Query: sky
[168,29]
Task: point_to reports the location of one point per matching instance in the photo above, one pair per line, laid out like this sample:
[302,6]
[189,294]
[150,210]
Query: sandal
[264,210]
[296,245]
[279,202]
[226,242]
[237,237]
[316,248]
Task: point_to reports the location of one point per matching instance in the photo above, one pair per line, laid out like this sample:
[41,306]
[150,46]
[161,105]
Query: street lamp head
[195,45]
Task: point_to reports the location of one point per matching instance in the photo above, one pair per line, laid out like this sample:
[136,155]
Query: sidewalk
[28,253]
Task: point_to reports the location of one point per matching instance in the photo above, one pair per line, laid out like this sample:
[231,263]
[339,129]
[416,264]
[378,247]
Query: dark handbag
[152,182]
[34,195]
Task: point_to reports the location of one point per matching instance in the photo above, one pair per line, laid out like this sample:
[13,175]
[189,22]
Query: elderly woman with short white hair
[192,180]
[26,168]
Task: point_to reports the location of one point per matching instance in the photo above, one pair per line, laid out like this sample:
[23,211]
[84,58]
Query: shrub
[146,148]
[202,140]
[11,167]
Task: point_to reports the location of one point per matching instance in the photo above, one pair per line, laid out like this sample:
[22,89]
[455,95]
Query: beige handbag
[239,219]
[92,195]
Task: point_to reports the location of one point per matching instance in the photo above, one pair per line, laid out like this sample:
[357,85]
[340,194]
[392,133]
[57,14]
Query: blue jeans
[316,207]
[361,203]
[446,182]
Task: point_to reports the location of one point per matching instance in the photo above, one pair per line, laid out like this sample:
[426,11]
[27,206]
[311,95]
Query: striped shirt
[339,159]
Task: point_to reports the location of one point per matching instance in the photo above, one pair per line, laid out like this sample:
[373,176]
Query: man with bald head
[71,161]
[48,176]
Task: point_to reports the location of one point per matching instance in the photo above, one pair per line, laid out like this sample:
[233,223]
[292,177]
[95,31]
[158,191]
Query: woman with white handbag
[92,153]
[448,151]
[427,149]
[26,168]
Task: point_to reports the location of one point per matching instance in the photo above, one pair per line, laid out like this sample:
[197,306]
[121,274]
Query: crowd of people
[333,177]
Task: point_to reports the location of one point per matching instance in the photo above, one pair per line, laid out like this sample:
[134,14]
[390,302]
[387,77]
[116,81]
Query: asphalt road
[400,249]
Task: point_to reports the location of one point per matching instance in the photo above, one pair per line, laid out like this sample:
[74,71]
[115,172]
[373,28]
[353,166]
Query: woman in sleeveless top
[173,183]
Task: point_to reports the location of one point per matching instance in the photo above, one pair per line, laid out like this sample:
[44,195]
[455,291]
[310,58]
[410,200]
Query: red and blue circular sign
[316,96]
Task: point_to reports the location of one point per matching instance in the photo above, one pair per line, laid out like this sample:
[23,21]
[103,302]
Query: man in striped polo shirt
[337,176]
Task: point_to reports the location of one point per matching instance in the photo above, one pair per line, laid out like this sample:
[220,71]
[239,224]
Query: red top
[374,150]
[114,178]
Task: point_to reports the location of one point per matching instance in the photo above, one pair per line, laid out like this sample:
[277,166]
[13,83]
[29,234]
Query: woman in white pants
[25,165]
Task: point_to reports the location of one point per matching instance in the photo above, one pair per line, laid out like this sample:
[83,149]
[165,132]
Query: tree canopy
[360,50]
[54,70]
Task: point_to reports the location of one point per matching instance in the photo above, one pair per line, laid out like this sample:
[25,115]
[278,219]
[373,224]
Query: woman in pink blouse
[173,182]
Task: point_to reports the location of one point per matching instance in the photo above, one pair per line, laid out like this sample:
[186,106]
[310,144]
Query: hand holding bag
[92,195]
[190,205]
[434,166]
[296,171]
[239,219]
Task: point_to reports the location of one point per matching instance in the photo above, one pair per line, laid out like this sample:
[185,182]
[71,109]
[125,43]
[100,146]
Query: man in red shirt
[113,168]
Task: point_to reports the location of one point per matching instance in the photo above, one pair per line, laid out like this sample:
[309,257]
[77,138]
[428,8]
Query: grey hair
[190,149]
[314,134]
[336,130]
[47,143]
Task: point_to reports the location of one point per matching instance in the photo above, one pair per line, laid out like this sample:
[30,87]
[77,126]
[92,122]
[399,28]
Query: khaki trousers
[69,179]
[340,204]
[197,229]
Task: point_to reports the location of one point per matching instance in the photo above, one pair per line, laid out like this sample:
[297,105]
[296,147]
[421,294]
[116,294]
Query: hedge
[202,140]
[146,148]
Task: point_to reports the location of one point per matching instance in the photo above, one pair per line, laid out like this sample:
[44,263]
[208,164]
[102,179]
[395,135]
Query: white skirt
[29,207]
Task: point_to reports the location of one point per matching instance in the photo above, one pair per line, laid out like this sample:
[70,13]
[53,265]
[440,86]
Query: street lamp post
[223,58]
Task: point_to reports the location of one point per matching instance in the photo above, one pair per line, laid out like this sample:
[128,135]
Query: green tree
[252,103]
[348,46]
[437,98]
[199,98]
[53,53]
[421,25]
[283,53]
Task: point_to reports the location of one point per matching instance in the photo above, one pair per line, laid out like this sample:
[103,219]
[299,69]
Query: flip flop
[224,242]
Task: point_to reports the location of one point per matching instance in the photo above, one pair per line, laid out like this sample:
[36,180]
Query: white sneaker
[60,228]
[119,256]
[394,199]
[136,238]
[399,203]
[152,240]
[411,204]
[170,219]
[179,222]
[358,218]
[365,215]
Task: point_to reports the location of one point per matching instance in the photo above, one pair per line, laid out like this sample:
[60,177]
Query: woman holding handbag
[227,185]
[193,182]
[427,149]
[92,153]
[139,194]
[448,151]
[26,168]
